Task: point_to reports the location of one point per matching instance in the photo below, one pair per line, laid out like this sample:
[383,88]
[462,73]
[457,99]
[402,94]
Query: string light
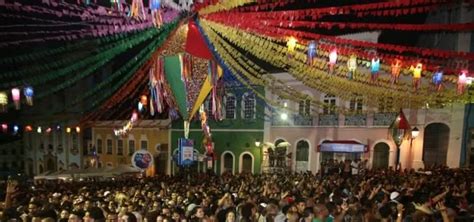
[29,92]
[3,101]
[16,97]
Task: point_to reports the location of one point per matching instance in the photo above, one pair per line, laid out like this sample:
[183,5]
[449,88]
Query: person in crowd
[337,194]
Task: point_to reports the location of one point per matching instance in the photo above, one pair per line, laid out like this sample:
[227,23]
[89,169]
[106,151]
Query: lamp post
[257,144]
[414,133]
[399,129]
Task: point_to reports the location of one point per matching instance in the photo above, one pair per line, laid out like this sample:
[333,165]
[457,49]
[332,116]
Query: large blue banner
[186,152]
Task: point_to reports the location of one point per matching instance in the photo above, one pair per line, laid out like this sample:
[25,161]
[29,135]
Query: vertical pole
[398,157]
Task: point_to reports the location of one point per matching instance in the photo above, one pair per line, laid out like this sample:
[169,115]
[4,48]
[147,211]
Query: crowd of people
[438,194]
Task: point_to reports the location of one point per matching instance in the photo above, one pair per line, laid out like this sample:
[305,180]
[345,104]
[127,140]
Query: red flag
[195,44]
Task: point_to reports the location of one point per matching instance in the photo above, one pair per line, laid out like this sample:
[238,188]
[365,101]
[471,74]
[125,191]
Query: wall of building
[467,139]
[230,135]
[369,127]
[154,132]
[12,157]
[57,150]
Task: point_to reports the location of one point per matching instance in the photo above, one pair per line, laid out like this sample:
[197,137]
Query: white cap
[394,195]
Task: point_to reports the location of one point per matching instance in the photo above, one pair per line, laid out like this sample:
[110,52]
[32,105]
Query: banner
[142,159]
[186,152]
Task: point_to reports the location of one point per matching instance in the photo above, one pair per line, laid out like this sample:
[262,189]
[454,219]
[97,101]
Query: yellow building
[111,150]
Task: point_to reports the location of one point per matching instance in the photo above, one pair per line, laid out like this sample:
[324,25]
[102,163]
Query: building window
[120,147]
[249,103]
[144,145]
[355,104]
[304,108]
[109,146]
[13,151]
[329,104]
[75,144]
[230,104]
[385,105]
[131,147]
[99,146]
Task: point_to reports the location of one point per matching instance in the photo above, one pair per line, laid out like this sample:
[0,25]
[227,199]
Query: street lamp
[399,129]
[257,143]
[414,133]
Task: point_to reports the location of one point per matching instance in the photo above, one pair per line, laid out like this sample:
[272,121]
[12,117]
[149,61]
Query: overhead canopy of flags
[179,54]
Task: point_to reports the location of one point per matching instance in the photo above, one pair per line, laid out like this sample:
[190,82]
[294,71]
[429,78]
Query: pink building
[306,127]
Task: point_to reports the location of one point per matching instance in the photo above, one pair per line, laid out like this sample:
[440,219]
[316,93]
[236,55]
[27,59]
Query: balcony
[355,120]
[328,120]
[384,119]
[300,120]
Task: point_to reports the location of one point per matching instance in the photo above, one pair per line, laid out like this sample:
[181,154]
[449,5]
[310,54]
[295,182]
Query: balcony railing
[302,120]
[384,119]
[355,120]
[328,120]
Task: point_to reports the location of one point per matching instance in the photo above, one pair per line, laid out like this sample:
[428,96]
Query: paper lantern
[68,130]
[154,4]
[134,116]
[374,68]
[16,97]
[3,101]
[78,129]
[437,79]
[29,93]
[312,52]
[291,44]
[48,130]
[395,70]
[28,128]
[332,60]
[333,57]
[462,82]
[4,127]
[15,129]
[137,10]
[417,75]
[116,4]
[39,129]
[352,65]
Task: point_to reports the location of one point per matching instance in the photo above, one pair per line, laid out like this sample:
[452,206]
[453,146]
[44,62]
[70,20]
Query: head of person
[198,212]
[300,205]
[230,216]
[64,214]
[33,208]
